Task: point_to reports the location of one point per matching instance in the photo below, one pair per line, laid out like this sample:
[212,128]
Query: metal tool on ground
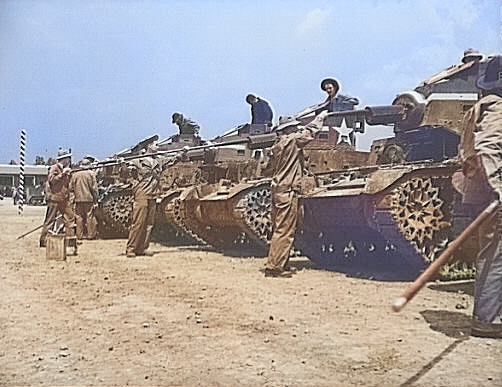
[35,229]
[435,266]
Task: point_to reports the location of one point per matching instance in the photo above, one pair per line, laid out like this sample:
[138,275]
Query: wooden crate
[56,247]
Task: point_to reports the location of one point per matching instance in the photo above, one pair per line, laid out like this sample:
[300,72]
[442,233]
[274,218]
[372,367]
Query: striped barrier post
[20,189]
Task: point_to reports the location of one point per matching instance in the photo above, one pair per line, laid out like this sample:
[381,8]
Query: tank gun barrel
[372,115]
[384,115]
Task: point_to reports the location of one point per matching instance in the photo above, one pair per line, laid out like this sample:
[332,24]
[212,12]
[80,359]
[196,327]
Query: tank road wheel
[256,206]
[418,210]
[114,214]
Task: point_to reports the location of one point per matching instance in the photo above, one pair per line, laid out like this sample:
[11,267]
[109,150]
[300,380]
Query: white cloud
[313,22]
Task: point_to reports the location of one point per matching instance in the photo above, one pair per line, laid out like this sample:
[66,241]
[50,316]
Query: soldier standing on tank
[57,194]
[84,186]
[185,125]
[286,166]
[261,112]
[336,102]
[481,153]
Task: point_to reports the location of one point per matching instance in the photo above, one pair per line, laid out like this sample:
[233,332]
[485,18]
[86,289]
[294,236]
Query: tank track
[423,211]
[114,209]
[219,224]
[173,211]
[254,208]
[167,230]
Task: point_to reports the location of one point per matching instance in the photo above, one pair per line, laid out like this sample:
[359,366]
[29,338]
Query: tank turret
[427,120]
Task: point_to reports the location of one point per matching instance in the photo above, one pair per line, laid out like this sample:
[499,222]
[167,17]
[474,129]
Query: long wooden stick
[435,266]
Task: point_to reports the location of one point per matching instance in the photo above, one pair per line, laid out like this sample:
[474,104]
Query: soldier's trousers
[488,286]
[284,217]
[143,217]
[86,221]
[53,209]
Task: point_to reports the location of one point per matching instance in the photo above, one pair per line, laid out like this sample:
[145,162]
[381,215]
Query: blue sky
[98,76]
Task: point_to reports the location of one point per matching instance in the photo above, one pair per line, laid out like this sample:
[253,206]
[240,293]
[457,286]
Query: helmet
[63,154]
[471,54]
[286,122]
[327,81]
[177,117]
[491,78]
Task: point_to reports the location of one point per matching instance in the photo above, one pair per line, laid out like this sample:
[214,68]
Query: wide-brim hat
[327,81]
[63,155]
[286,122]
[491,79]
[471,54]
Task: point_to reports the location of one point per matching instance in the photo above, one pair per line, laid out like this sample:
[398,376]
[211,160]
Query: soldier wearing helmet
[286,166]
[146,186]
[185,125]
[336,102]
[57,195]
[481,153]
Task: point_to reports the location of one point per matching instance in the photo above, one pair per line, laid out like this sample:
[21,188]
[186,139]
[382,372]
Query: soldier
[85,190]
[185,125]
[146,174]
[261,113]
[58,196]
[286,166]
[335,102]
[481,154]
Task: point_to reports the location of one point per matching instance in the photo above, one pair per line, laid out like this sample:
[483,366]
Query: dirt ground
[189,316]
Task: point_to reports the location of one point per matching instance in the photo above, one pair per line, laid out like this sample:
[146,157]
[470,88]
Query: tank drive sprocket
[115,207]
[419,212]
[255,208]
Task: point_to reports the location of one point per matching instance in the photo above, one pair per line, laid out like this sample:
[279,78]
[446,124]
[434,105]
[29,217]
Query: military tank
[390,221]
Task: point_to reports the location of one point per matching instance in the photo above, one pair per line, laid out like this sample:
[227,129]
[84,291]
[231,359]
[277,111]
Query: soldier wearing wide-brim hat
[471,55]
[330,81]
[57,193]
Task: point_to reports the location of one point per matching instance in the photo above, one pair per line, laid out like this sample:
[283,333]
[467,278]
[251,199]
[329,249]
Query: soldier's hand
[67,171]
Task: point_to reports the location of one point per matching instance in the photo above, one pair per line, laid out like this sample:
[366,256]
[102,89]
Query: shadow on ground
[462,287]
[451,324]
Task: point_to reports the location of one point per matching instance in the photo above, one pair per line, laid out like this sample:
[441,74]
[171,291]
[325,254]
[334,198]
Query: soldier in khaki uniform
[85,190]
[481,153]
[146,185]
[58,197]
[286,166]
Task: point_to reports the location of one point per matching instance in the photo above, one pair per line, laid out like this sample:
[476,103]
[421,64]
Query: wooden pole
[435,266]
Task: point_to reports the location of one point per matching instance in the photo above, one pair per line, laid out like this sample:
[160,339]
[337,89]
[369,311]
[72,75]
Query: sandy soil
[189,316]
